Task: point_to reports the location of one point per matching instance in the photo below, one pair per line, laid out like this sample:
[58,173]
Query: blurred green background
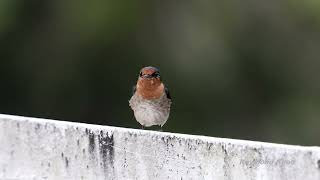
[237,69]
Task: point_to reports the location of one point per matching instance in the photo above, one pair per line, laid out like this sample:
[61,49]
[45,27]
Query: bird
[151,100]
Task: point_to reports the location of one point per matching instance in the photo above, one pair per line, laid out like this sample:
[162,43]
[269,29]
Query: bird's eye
[140,74]
[156,74]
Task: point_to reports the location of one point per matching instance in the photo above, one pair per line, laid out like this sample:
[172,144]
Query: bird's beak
[147,76]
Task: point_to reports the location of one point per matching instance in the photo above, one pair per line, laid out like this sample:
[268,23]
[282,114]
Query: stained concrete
[32,148]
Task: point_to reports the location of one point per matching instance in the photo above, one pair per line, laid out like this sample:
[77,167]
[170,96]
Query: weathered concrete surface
[33,148]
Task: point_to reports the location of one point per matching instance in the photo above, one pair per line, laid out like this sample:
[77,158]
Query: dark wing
[167,93]
[134,89]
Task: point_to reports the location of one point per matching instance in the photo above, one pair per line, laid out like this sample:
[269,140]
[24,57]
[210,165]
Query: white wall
[33,148]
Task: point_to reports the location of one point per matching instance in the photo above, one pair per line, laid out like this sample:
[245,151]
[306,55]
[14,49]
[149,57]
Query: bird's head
[149,73]
[149,83]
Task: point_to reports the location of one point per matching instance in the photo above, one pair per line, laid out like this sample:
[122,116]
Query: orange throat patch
[150,88]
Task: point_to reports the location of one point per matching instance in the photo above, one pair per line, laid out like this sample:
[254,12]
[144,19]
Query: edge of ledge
[62,123]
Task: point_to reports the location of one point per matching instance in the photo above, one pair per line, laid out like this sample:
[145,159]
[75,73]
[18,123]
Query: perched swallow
[151,100]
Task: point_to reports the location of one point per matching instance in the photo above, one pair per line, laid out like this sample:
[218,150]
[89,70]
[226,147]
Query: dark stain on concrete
[224,150]
[92,144]
[257,150]
[67,162]
[37,126]
[169,141]
[162,138]
[106,147]
[226,165]
[209,145]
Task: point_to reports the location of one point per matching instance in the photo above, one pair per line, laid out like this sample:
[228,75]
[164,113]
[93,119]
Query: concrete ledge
[33,148]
